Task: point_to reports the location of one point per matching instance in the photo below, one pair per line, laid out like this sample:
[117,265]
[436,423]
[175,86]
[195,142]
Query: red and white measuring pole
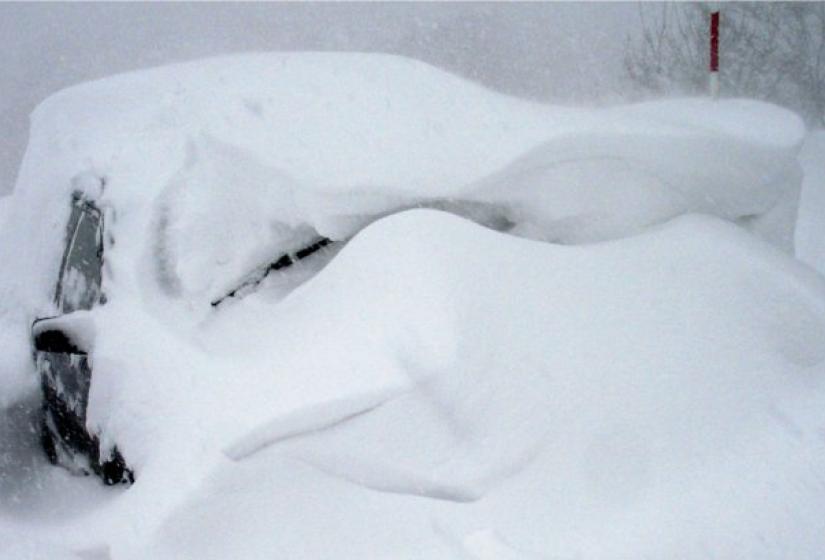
[714,51]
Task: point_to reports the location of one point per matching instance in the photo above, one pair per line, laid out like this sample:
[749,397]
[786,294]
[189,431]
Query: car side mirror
[72,333]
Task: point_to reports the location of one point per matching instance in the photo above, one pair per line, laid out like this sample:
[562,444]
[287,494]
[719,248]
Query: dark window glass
[79,283]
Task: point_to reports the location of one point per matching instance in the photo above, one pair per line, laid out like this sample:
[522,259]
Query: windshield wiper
[488,214]
[284,261]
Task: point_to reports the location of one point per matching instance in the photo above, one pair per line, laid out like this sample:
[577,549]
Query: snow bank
[656,396]
[810,228]
[431,388]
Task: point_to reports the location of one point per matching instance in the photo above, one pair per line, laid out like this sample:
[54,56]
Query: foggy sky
[566,52]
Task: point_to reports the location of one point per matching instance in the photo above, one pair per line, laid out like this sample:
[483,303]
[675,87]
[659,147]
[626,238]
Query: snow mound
[501,394]
[214,166]
[212,169]
[426,387]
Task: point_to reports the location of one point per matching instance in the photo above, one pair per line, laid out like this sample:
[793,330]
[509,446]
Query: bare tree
[771,51]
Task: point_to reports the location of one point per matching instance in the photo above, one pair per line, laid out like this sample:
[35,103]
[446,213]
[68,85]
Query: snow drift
[596,401]
[213,167]
[430,388]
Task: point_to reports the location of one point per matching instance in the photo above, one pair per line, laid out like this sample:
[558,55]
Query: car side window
[79,283]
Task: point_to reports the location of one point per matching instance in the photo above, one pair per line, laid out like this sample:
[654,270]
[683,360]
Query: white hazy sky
[567,52]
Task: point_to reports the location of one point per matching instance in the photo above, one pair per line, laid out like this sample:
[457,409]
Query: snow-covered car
[496,185]
[354,296]
[61,357]
[61,344]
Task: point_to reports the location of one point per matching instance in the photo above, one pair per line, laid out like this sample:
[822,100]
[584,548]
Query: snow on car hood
[464,392]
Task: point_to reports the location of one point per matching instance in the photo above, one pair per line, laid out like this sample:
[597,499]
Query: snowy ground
[627,362]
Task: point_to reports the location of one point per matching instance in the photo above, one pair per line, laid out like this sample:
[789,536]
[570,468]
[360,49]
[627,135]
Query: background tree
[770,51]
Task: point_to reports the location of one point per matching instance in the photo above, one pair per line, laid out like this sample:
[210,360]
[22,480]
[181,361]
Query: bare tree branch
[771,51]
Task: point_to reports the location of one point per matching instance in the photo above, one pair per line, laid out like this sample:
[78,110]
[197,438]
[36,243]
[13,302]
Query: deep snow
[627,379]
[213,167]
[596,401]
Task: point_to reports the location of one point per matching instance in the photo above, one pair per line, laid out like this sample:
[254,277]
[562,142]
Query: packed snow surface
[627,362]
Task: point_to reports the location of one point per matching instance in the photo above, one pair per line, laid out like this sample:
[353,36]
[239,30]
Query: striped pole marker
[714,52]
